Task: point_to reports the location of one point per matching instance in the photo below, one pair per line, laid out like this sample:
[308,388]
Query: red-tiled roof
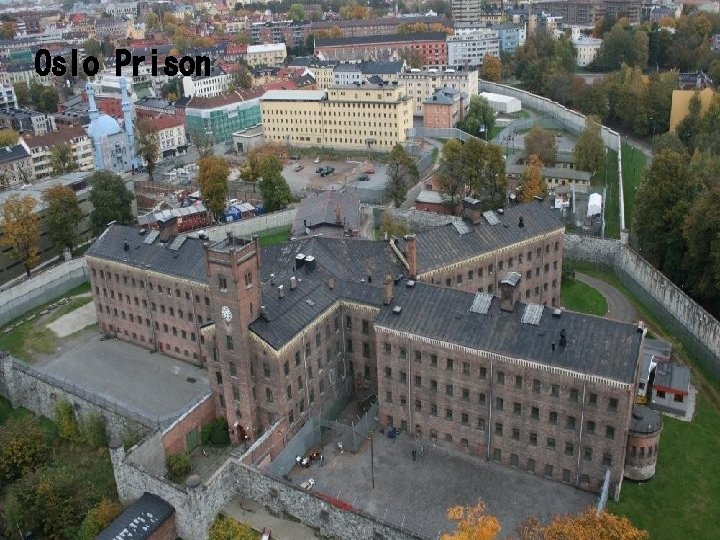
[56,137]
[167,121]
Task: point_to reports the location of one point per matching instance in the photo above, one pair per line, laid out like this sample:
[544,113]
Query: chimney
[331,283]
[338,217]
[293,283]
[388,290]
[563,339]
[509,291]
[272,279]
[281,291]
[126,247]
[411,254]
[521,222]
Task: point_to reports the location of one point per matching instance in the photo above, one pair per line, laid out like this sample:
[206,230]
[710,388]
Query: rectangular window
[592,400]
[266,370]
[481,424]
[613,405]
[388,372]
[433,409]
[533,439]
[587,453]
[366,349]
[499,404]
[349,345]
[449,365]
[555,390]
[229,343]
[449,389]
[552,417]
[501,377]
[536,386]
[518,381]
[517,409]
[418,381]
[531,465]
[403,353]
[418,357]
[433,360]
[236,393]
[403,377]
[570,422]
[574,395]
[609,432]
[483,373]
[516,434]
[433,385]
[448,414]
[388,347]
[607,459]
[535,413]
[218,377]
[481,398]
[550,443]
[466,368]
[365,326]
[465,394]
[498,429]
[348,322]
[233,369]
[464,418]
[591,426]
[569,449]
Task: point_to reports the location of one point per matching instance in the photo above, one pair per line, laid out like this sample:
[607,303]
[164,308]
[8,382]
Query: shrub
[23,446]
[216,433]
[225,528]
[178,466]
[98,518]
[130,438]
[94,431]
[65,418]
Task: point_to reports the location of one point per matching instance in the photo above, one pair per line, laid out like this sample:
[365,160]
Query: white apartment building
[40,149]
[213,85]
[171,134]
[586,47]
[466,10]
[8,99]
[116,9]
[269,54]
[421,84]
[470,49]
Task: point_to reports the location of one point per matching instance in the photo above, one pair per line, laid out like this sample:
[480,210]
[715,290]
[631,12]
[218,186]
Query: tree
[296,13]
[532,184]
[225,528]
[110,199]
[592,99]
[450,171]
[152,21]
[23,447]
[412,57]
[668,141]
[589,151]
[62,159]
[480,119]
[473,523]
[624,44]
[8,29]
[491,68]
[243,78]
[701,231]
[401,170]
[93,47]
[254,165]
[62,216]
[203,141]
[589,525]
[541,143]
[20,225]
[662,202]
[148,144]
[392,226]
[98,518]
[213,178]
[22,92]
[8,137]
[541,56]
[44,98]
[274,188]
[688,129]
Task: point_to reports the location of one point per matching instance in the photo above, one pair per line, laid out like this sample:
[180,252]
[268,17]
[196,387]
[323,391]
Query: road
[619,307]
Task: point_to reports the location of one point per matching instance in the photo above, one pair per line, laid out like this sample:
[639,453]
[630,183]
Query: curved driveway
[619,307]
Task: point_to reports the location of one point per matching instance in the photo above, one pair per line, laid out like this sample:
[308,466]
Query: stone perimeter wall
[697,329]
[197,505]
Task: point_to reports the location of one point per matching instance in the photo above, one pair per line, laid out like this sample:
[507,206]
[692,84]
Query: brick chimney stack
[411,254]
[388,290]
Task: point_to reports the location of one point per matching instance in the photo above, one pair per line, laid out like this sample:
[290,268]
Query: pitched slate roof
[321,209]
[418,37]
[351,262]
[444,245]
[187,262]
[140,520]
[595,346]
[11,153]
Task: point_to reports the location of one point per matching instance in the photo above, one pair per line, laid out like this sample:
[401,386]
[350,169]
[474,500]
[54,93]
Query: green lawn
[683,499]
[633,164]
[578,296]
[612,204]
[274,236]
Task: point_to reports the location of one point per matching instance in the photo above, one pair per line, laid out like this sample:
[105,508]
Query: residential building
[16,167]
[117,9]
[269,54]
[41,150]
[585,46]
[470,49]
[153,108]
[430,45]
[212,85]
[358,117]
[375,27]
[466,11]
[511,36]
[690,84]
[373,72]
[171,135]
[24,74]
[332,214]
[420,85]
[444,109]
[26,121]
[8,99]
[111,29]
[560,179]
[221,116]
[585,13]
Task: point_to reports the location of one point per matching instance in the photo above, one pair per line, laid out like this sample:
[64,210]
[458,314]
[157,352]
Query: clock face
[226,314]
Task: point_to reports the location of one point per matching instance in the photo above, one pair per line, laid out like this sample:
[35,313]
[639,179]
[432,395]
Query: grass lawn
[578,296]
[633,164]
[274,236]
[33,336]
[683,499]
[612,204]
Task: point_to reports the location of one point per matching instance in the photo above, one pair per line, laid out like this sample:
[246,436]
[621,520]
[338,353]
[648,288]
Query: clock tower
[233,268]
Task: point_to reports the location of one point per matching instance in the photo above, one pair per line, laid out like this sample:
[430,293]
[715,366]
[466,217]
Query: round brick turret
[642,447]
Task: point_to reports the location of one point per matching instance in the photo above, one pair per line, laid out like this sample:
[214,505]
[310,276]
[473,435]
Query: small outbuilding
[594,205]
[502,104]
[148,518]
[671,388]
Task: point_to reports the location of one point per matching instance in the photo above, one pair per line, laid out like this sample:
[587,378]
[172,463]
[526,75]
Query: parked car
[369,170]
[328,170]
[363,178]
[295,157]
[316,160]
[298,167]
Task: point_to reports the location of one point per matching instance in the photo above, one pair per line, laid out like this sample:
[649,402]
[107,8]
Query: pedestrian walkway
[257,517]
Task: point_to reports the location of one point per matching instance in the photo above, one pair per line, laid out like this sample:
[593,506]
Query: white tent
[501,103]
[594,205]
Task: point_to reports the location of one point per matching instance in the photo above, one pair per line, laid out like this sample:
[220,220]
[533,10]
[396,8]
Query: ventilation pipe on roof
[388,290]
[293,283]
[331,283]
[563,339]
[281,291]
[521,222]
[272,279]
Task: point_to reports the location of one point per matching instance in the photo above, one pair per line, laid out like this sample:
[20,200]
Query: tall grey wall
[696,329]
[246,227]
[41,289]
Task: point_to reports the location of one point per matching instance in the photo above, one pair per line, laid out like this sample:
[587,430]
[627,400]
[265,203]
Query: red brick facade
[175,439]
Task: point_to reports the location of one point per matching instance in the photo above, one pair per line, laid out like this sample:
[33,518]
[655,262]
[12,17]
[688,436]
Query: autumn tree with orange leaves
[20,226]
[532,183]
[473,523]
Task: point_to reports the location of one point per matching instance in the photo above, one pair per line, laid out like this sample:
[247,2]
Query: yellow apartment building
[358,117]
[421,84]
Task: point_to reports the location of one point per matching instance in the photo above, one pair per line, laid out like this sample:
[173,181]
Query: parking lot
[346,173]
[417,493]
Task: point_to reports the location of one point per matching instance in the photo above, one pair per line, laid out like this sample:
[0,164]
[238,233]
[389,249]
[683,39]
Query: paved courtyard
[346,173]
[152,384]
[416,494]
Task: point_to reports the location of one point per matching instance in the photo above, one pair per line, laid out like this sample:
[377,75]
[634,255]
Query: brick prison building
[289,330]
[544,390]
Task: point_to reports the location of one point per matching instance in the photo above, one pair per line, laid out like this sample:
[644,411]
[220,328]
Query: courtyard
[346,173]
[416,494]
